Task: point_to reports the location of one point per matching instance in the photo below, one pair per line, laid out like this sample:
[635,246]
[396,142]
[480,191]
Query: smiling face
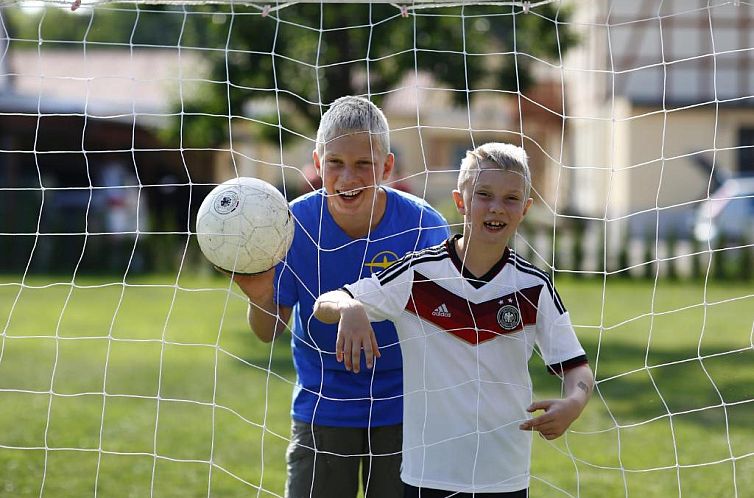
[493,203]
[352,167]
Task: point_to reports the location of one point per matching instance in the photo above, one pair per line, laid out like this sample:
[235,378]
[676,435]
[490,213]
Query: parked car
[728,213]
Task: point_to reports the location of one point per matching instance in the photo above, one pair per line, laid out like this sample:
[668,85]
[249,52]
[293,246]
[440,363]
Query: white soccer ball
[244,226]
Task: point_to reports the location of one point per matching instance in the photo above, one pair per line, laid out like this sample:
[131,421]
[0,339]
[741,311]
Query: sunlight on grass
[159,389]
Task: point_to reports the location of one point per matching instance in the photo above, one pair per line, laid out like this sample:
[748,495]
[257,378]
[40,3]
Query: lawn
[154,386]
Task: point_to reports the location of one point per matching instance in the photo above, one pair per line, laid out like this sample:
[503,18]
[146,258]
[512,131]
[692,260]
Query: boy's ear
[388,166]
[458,200]
[317,164]
[528,204]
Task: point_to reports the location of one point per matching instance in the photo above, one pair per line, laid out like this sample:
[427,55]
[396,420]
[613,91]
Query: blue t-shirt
[324,258]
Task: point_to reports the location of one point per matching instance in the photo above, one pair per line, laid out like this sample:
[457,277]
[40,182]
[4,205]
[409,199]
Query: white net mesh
[126,363]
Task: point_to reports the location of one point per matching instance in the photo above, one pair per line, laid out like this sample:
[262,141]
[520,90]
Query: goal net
[127,367]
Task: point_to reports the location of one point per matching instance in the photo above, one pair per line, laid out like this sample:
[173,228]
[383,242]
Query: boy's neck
[357,227]
[478,258]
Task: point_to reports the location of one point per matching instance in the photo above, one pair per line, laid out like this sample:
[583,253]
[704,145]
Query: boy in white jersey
[468,313]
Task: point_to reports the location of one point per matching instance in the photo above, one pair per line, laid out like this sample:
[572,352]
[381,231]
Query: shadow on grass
[636,387]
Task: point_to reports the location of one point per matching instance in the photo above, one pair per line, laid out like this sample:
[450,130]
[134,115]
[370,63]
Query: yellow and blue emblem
[382,260]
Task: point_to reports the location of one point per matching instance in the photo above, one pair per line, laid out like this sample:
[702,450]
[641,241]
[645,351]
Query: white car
[728,213]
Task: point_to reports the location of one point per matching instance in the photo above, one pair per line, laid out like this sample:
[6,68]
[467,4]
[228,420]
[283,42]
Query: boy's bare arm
[355,333]
[266,319]
[560,413]
[327,306]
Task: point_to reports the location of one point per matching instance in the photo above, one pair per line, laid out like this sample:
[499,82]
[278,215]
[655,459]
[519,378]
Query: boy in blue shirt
[347,230]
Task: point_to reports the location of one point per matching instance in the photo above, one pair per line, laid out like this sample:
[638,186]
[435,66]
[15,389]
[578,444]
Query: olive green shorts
[328,462]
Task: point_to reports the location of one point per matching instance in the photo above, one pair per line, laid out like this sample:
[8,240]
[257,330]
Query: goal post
[127,366]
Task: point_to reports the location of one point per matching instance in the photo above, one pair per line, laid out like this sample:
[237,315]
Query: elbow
[263,331]
[321,313]
[317,310]
[327,308]
[326,317]
[266,338]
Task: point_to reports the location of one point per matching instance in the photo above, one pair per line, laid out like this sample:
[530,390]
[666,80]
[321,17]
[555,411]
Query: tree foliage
[279,70]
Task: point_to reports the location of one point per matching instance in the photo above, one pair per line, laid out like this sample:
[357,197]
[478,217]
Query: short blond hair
[352,114]
[507,157]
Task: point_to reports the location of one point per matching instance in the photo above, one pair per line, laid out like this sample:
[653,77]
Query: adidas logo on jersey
[442,311]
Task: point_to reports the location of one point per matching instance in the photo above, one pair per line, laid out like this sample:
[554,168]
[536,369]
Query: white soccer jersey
[466,343]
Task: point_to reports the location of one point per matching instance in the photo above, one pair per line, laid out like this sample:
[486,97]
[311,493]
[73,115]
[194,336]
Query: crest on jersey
[382,260]
[508,317]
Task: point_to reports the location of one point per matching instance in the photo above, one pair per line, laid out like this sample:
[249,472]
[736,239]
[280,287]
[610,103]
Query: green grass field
[157,388]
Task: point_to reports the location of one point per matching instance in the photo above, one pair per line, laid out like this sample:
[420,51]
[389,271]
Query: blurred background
[634,115]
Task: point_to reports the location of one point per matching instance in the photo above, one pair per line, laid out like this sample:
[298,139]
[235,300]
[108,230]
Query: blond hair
[506,157]
[351,114]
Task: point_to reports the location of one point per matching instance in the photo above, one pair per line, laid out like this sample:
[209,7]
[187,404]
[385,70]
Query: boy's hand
[559,415]
[354,334]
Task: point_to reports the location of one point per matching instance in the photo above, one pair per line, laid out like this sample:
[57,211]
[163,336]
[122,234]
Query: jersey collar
[475,281]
